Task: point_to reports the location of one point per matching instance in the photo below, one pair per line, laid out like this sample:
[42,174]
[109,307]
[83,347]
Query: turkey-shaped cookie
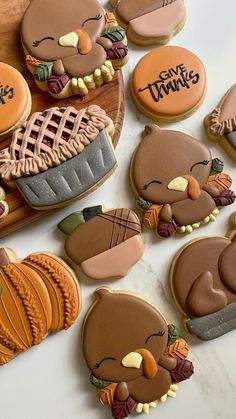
[220,124]
[134,356]
[71,46]
[150,21]
[178,184]
[203,283]
[105,243]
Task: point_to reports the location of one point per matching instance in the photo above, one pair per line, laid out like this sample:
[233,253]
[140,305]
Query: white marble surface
[51,381]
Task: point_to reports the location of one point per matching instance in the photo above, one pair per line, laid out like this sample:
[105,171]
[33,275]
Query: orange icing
[13,109]
[167,61]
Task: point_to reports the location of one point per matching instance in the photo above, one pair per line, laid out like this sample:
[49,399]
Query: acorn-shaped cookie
[60,155]
[72,47]
[151,21]
[136,359]
[104,243]
[203,284]
[38,295]
[220,124]
[178,184]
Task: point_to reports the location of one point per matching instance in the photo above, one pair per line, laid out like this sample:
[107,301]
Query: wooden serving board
[110,97]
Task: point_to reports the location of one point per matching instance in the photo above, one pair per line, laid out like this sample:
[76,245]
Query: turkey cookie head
[124,337]
[57,30]
[169,166]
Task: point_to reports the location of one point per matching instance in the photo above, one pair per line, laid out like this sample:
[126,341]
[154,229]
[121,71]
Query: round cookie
[220,124]
[60,155]
[38,295]
[205,291]
[72,47]
[15,100]
[104,243]
[178,185]
[134,356]
[168,84]
[152,21]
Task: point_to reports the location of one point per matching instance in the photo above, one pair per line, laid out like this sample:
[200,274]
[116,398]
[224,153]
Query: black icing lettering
[6,92]
[178,79]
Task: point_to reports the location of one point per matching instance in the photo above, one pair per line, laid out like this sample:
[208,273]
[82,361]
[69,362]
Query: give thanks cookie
[135,358]
[151,21]
[15,100]
[202,279]
[38,295]
[104,243]
[220,124]
[72,46]
[168,84]
[60,155]
[178,184]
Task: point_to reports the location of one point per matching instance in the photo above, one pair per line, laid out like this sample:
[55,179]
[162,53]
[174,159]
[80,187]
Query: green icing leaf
[173,334]
[43,71]
[217,166]
[144,205]
[114,33]
[99,383]
[71,222]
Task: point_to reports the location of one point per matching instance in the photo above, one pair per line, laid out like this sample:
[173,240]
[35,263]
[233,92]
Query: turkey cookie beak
[78,38]
[181,183]
[136,358]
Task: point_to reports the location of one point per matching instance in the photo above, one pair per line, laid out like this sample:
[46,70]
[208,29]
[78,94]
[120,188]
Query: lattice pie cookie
[60,155]
[72,46]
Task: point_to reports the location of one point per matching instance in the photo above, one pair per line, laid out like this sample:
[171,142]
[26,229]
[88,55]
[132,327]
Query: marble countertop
[51,381]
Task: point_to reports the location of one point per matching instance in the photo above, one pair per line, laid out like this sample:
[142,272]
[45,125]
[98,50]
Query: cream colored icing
[132,360]
[159,23]
[86,126]
[115,262]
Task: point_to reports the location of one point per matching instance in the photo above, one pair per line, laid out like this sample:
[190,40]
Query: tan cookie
[220,124]
[72,48]
[168,84]
[151,21]
[60,155]
[38,295]
[15,100]
[104,243]
[202,280]
[177,183]
[135,358]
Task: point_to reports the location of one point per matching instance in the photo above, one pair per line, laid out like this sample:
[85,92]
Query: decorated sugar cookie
[150,21]
[4,208]
[15,100]
[168,84]
[72,46]
[60,155]
[136,359]
[178,184]
[38,295]
[220,124]
[104,243]
[203,284]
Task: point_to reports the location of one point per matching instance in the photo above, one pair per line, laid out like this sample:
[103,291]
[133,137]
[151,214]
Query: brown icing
[169,81]
[119,328]
[14,97]
[28,311]
[101,233]
[223,118]
[131,9]
[160,23]
[49,138]
[206,286]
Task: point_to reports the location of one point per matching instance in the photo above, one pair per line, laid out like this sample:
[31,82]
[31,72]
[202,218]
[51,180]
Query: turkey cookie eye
[37,43]
[108,358]
[145,187]
[204,162]
[160,333]
[97,17]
